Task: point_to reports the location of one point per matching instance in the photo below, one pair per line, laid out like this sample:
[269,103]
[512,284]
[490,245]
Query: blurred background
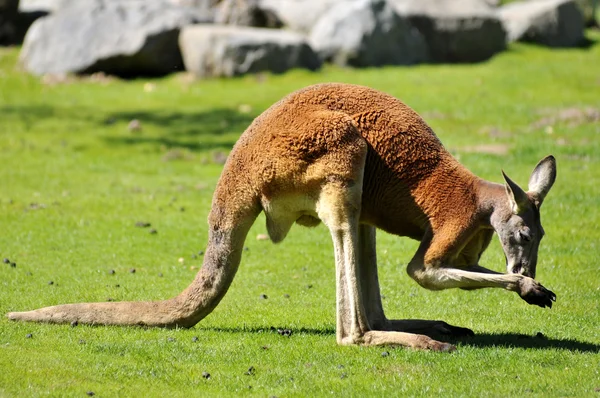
[222,38]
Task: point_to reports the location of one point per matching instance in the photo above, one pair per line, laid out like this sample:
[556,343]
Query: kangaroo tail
[228,230]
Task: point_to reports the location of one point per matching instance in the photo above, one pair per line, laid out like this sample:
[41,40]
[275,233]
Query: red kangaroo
[356,159]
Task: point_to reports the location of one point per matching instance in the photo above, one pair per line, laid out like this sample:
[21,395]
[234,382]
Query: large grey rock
[455,30]
[45,6]
[367,33]
[201,4]
[125,38]
[206,8]
[245,13]
[50,6]
[440,8]
[225,50]
[298,15]
[554,23]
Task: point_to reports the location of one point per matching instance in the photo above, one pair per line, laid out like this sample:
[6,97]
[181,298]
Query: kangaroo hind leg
[370,289]
[339,206]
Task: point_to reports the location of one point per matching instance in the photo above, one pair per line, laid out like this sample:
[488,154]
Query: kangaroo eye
[524,235]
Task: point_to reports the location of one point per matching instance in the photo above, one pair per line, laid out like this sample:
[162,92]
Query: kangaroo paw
[534,293]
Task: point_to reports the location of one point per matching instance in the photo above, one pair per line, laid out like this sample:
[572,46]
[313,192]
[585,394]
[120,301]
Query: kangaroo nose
[517,269]
[524,270]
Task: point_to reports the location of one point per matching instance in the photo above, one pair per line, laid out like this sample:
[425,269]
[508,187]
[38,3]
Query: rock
[455,31]
[125,38]
[134,125]
[553,23]
[31,10]
[367,33]
[246,13]
[200,4]
[206,7]
[298,15]
[44,6]
[439,8]
[220,50]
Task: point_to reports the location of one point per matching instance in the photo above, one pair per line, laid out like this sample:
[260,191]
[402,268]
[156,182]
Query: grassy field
[75,180]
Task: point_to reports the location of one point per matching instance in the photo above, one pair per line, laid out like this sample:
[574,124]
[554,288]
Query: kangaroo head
[517,220]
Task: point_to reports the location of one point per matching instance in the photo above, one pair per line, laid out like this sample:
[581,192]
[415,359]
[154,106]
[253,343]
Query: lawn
[83,160]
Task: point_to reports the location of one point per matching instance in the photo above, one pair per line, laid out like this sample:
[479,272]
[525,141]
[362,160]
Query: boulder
[553,23]
[124,38]
[245,13]
[367,33]
[43,6]
[225,50]
[205,7]
[298,15]
[455,30]
[31,10]
[201,4]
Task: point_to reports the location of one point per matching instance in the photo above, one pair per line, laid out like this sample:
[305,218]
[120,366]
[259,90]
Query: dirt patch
[488,149]
[177,154]
[430,115]
[495,132]
[572,117]
[53,79]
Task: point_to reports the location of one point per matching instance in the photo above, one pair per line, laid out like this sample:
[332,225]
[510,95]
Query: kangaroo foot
[416,341]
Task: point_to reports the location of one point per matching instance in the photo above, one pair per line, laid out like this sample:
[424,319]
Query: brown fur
[356,159]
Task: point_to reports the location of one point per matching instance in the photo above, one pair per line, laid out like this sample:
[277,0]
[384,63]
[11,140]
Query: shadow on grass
[325,331]
[29,115]
[480,340]
[196,131]
[515,340]
[184,129]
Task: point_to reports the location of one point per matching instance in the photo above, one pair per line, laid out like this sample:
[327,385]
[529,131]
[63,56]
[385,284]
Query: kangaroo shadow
[480,340]
[208,129]
[196,131]
[515,340]
[284,330]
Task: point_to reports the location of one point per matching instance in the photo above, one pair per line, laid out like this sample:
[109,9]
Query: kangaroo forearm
[448,278]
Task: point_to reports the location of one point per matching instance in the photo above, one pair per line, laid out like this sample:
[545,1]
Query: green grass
[74,181]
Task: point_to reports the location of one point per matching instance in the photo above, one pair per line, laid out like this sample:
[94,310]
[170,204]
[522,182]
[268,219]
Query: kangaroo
[356,159]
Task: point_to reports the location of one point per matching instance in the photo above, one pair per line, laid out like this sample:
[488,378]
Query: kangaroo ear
[519,202]
[542,178]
